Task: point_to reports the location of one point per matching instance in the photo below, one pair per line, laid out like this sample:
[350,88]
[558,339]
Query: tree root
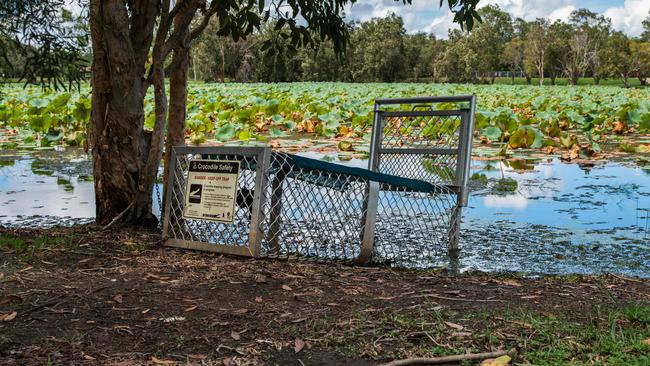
[449,359]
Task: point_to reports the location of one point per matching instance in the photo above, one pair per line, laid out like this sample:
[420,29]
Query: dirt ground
[82,296]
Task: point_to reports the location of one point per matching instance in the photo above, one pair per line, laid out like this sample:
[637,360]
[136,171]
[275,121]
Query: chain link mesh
[432,131]
[319,215]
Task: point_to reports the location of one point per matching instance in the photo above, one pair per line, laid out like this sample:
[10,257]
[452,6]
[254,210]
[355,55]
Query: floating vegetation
[512,116]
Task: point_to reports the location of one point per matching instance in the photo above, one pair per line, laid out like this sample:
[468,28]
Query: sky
[427,16]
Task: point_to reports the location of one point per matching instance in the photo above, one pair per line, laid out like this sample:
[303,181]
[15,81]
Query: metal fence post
[370,203]
[275,216]
[259,195]
[171,182]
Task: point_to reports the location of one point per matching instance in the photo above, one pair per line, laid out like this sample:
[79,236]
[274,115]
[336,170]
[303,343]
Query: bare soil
[86,296]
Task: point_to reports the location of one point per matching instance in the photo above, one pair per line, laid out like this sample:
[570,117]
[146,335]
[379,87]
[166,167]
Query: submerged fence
[403,210]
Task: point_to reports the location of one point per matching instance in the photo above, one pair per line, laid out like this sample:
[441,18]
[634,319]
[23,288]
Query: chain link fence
[404,211]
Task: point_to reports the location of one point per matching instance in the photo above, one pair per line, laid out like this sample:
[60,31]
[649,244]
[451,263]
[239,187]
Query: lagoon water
[558,218]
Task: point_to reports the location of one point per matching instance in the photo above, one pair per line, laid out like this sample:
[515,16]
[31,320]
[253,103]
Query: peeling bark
[177,106]
[117,120]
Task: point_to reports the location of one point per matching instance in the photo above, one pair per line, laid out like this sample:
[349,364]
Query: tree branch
[449,359]
[194,33]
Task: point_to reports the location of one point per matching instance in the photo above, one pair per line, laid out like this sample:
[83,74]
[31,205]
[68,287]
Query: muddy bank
[85,297]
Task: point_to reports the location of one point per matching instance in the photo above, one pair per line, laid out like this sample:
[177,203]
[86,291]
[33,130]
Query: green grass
[597,336]
[25,248]
[605,337]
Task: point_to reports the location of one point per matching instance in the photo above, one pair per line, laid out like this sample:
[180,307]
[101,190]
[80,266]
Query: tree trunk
[177,107]
[144,197]
[529,80]
[117,118]
[596,79]
[121,38]
[626,80]
[574,78]
[222,72]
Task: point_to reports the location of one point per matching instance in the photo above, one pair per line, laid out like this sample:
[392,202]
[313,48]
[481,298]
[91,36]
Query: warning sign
[211,190]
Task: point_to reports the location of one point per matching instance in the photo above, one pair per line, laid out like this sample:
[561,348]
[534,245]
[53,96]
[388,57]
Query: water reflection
[47,188]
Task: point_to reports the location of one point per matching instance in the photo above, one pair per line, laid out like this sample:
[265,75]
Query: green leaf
[493,133]
[276,132]
[225,133]
[244,135]
[526,137]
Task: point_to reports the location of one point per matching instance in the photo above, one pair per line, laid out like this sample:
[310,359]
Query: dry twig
[449,359]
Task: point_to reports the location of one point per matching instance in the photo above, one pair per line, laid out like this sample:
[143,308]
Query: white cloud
[529,9]
[628,18]
[516,202]
[440,26]
[562,13]
[425,15]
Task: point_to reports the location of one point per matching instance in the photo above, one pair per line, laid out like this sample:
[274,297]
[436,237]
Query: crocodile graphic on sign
[195,193]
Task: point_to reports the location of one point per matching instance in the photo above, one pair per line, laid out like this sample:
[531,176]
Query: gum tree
[537,45]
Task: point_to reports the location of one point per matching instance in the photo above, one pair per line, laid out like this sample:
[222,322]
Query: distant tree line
[381,50]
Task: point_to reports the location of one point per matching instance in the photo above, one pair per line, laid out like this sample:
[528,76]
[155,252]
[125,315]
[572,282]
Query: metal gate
[404,210]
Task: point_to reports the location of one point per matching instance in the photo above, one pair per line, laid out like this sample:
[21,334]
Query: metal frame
[262,155]
[463,152]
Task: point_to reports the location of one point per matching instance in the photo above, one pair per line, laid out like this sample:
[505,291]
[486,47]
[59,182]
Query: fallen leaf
[159,361]
[190,308]
[299,344]
[89,357]
[286,288]
[8,316]
[619,127]
[499,361]
[523,324]
[258,299]
[235,335]
[646,342]
[118,298]
[455,326]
